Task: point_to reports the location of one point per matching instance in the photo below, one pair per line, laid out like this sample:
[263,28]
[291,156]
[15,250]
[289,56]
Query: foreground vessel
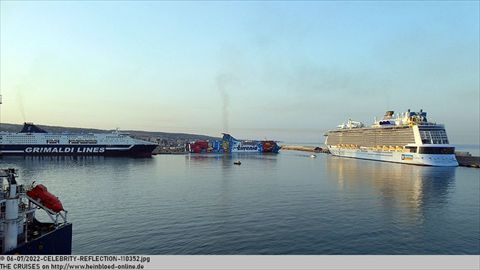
[21,232]
[32,140]
[407,138]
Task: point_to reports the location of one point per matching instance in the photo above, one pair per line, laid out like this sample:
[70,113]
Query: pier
[161,150]
[306,148]
[466,160]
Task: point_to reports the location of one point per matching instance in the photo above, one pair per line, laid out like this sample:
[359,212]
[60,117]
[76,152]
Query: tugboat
[20,232]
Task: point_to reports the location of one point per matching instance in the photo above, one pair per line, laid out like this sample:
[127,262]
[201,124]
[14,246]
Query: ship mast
[11,212]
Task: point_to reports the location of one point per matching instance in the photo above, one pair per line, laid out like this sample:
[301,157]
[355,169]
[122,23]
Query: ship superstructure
[406,138]
[20,230]
[32,140]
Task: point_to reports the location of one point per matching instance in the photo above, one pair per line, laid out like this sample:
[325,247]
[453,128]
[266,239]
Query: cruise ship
[405,138]
[34,141]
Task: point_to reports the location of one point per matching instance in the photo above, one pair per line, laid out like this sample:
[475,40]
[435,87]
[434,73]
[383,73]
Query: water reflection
[414,188]
[265,161]
[33,167]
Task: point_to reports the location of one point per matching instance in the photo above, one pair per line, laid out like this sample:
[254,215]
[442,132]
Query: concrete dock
[305,148]
[467,160]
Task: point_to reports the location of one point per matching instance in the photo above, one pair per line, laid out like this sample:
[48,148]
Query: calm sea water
[288,203]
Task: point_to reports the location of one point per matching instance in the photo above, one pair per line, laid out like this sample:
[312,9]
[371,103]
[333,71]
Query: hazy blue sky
[278,70]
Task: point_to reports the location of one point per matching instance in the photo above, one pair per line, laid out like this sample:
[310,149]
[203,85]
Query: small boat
[313,156]
[237,162]
[40,193]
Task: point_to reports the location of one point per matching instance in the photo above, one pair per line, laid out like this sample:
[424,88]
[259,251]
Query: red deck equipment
[40,193]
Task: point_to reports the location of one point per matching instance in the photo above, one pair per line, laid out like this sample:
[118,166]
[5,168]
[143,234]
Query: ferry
[34,141]
[405,138]
[229,144]
[21,233]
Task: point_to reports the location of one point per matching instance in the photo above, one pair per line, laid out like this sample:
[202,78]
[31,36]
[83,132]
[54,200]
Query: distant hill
[153,134]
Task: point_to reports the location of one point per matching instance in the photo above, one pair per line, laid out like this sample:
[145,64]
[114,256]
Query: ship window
[433,136]
[437,150]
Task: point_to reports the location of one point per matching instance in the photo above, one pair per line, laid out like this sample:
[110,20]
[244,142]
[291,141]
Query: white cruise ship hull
[34,141]
[137,150]
[398,157]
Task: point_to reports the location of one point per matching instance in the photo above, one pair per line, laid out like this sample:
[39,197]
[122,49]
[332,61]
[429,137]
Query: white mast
[11,215]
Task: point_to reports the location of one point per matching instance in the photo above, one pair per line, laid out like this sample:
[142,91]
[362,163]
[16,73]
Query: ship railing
[54,216]
[428,124]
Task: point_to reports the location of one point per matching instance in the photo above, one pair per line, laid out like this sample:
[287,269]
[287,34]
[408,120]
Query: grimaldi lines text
[407,138]
[32,140]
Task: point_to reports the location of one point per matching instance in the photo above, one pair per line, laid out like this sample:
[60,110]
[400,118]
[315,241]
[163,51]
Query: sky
[287,71]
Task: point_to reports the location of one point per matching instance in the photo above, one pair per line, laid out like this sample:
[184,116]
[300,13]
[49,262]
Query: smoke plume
[223,80]
[20,105]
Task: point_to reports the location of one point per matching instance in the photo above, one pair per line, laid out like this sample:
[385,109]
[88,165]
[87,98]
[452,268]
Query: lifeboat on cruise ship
[41,195]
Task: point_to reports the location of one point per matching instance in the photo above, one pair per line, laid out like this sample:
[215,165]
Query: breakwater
[306,148]
[467,160]
[160,150]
